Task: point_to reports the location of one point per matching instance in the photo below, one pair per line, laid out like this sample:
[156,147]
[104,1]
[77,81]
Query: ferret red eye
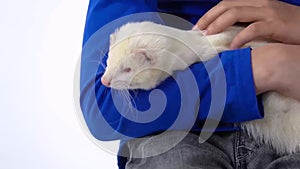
[127,70]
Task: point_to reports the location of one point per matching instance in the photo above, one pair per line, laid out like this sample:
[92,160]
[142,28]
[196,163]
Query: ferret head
[132,63]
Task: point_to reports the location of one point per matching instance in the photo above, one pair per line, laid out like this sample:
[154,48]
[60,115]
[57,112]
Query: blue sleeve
[293,2]
[101,12]
[241,101]
[103,117]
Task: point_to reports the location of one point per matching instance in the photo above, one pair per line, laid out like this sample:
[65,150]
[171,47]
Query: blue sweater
[106,121]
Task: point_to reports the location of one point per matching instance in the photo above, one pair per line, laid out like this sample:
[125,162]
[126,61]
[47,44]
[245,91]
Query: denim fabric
[226,150]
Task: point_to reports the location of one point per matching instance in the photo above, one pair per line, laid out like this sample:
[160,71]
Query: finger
[219,9]
[256,29]
[233,15]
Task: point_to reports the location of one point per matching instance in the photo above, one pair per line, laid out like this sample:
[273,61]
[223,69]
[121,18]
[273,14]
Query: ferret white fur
[144,54]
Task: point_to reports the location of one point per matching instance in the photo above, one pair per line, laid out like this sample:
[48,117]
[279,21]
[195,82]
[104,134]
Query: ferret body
[144,54]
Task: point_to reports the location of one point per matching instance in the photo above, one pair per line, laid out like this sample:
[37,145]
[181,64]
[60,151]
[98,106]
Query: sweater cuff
[242,102]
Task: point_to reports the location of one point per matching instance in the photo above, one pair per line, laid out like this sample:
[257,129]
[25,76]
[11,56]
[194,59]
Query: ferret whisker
[133,103]
[127,101]
[101,52]
[127,97]
[103,65]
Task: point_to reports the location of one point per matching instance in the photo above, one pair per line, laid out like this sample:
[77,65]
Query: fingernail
[204,32]
[195,28]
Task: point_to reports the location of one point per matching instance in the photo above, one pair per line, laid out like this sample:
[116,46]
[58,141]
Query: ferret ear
[145,56]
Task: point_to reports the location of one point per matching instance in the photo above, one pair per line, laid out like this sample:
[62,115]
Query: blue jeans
[227,150]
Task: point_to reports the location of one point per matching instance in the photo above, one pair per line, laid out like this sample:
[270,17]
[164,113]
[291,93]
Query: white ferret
[143,54]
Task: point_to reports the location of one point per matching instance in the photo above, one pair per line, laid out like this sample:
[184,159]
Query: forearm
[106,121]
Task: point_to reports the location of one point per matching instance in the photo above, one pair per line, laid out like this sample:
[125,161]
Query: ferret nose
[105,82]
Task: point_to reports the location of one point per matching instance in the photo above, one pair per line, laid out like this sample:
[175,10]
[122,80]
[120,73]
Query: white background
[40,43]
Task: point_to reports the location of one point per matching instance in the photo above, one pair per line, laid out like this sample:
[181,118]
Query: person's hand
[269,18]
[276,67]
